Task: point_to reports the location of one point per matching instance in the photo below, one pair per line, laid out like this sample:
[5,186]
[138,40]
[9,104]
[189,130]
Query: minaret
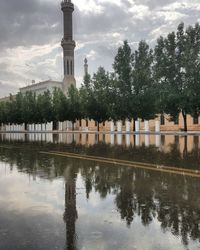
[68,45]
[86,67]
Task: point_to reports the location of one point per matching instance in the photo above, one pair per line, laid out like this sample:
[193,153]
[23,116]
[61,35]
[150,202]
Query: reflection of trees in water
[171,199]
[178,207]
[125,196]
[151,154]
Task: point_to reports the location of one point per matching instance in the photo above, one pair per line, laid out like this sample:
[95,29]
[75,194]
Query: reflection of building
[163,142]
[70,215]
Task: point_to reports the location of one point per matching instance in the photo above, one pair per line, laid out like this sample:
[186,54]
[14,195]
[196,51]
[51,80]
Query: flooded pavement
[85,191]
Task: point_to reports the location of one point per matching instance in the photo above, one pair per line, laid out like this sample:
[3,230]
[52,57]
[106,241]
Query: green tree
[3,113]
[143,90]
[30,112]
[177,72]
[123,83]
[96,97]
[45,107]
[74,105]
[192,68]
[17,109]
[60,106]
[85,93]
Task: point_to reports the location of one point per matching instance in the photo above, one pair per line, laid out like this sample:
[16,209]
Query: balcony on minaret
[68,44]
[67,4]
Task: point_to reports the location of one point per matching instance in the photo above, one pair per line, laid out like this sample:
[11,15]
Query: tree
[17,109]
[74,105]
[30,112]
[95,96]
[143,90]
[85,93]
[45,107]
[177,72]
[3,113]
[59,106]
[100,98]
[192,68]
[123,83]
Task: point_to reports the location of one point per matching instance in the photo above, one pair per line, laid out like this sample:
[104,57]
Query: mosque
[161,123]
[68,45]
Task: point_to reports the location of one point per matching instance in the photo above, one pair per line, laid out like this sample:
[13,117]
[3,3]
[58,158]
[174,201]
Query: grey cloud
[152,4]
[112,19]
[28,22]
[6,89]
[36,22]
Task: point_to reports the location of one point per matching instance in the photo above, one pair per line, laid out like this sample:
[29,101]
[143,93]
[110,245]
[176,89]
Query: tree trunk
[72,126]
[185,121]
[98,126]
[134,120]
[25,126]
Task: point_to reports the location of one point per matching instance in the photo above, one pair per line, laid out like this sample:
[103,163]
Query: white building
[41,87]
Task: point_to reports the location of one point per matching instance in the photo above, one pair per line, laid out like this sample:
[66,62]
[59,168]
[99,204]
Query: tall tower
[68,45]
[86,67]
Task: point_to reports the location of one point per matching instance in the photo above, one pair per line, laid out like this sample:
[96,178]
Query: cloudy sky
[31,31]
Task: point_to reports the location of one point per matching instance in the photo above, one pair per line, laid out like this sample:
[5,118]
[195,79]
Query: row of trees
[29,108]
[143,84]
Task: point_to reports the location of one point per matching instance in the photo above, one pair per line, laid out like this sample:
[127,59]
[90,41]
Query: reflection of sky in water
[32,208]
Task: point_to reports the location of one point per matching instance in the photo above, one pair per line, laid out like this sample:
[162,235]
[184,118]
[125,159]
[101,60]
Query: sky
[31,31]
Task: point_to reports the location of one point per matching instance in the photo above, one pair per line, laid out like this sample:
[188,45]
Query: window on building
[162,119]
[71,68]
[67,67]
[195,120]
[64,67]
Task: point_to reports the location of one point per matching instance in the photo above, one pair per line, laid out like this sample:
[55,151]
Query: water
[52,199]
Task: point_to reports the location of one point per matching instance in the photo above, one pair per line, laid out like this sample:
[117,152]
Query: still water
[65,191]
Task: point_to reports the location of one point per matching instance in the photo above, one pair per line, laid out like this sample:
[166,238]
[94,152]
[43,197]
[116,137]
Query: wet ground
[105,192]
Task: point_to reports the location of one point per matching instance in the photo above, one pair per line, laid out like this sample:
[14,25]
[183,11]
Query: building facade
[41,87]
